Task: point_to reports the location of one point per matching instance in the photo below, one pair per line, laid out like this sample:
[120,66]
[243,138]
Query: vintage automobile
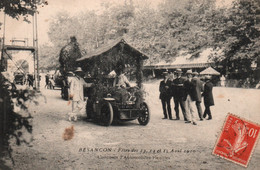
[55,79]
[19,78]
[106,102]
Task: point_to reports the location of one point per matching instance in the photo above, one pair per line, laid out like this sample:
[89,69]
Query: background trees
[21,8]
[237,33]
[165,31]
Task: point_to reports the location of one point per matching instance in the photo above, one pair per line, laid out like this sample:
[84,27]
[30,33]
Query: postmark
[237,140]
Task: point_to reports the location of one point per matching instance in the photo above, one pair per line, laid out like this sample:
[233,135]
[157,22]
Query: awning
[209,71]
[120,44]
[182,66]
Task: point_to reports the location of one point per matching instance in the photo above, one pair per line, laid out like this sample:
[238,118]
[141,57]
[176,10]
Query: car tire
[107,114]
[144,117]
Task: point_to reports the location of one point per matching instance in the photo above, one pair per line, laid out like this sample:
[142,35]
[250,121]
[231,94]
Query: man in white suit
[76,91]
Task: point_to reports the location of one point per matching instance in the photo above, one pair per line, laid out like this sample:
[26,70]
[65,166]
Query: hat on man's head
[78,69]
[207,77]
[189,72]
[165,73]
[73,39]
[195,73]
[178,70]
[70,73]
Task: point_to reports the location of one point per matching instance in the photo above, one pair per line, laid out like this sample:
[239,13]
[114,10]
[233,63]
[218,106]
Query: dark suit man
[165,96]
[178,94]
[198,90]
[30,80]
[208,97]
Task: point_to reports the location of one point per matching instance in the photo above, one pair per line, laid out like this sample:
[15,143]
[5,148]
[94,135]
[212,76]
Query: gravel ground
[162,144]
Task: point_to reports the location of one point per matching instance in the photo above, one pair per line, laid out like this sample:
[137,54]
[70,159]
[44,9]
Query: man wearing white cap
[190,91]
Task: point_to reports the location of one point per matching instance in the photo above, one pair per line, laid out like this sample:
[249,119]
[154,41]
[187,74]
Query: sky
[20,30]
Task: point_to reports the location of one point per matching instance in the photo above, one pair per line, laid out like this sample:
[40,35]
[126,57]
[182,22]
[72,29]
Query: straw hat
[78,69]
[195,73]
[178,70]
[70,73]
[189,72]
[165,73]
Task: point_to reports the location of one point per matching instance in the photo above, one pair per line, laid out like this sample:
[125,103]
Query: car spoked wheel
[144,117]
[106,114]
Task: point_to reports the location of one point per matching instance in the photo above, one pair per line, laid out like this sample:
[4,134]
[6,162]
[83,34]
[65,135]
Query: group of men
[187,93]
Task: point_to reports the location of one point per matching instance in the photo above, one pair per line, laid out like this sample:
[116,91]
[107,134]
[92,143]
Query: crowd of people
[186,93]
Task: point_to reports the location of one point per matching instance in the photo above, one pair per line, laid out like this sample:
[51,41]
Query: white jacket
[76,85]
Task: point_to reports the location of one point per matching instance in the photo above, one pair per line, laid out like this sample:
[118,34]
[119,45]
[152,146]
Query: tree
[145,32]
[185,26]
[21,8]
[236,32]
[12,121]
[48,57]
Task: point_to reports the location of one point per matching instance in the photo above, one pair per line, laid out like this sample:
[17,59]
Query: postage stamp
[237,140]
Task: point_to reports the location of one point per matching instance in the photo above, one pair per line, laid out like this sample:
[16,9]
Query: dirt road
[162,144]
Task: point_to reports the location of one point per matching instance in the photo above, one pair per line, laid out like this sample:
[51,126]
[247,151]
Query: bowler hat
[189,72]
[78,69]
[178,70]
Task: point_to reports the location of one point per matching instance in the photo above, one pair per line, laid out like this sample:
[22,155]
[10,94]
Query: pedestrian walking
[30,80]
[190,98]
[223,81]
[208,97]
[165,96]
[47,79]
[198,90]
[178,94]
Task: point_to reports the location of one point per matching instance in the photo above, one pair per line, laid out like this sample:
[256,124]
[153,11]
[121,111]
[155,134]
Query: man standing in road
[165,96]
[47,79]
[178,95]
[208,97]
[76,92]
[198,89]
[190,98]
[30,80]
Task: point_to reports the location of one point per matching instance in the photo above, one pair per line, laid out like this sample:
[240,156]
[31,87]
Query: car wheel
[107,114]
[144,117]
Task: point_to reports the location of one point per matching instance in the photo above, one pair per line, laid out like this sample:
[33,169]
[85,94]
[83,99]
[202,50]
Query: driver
[121,79]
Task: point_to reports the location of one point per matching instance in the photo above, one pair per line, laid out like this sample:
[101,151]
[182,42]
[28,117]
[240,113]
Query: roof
[209,71]
[185,61]
[108,47]
[182,66]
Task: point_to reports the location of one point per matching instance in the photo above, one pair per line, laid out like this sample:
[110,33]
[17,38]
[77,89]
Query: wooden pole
[34,53]
[3,45]
[37,55]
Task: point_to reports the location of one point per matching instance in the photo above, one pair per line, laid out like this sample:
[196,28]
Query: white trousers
[190,109]
[77,106]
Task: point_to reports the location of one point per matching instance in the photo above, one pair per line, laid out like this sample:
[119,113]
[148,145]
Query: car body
[19,78]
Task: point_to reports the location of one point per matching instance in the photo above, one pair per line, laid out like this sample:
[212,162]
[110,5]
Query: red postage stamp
[237,140]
